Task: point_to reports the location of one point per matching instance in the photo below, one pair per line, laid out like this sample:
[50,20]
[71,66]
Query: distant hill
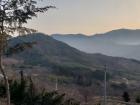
[121,43]
[59,58]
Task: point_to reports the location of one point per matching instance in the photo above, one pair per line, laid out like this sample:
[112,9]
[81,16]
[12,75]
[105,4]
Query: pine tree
[138,99]
[126,97]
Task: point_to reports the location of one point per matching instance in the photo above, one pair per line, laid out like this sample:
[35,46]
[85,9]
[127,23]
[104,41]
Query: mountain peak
[29,38]
[122,31]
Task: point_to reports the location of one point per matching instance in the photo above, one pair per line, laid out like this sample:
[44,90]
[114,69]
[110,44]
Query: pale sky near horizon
[88,16]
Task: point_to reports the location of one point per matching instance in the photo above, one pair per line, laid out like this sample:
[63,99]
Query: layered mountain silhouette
[62,59]
[121,43]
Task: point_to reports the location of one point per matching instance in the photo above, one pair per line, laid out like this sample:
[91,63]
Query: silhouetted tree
[138,99]
[18,90]
[126,97]
[13,14]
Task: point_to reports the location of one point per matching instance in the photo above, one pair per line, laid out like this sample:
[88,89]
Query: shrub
[23,92]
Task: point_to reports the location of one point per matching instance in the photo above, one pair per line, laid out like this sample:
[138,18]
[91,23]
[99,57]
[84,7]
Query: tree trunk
[3,40]
[5,80]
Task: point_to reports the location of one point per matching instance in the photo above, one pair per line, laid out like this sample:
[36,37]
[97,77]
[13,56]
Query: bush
[23,92]
[138,99]
[126,97]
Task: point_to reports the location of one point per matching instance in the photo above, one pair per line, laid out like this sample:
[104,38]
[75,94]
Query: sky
[87,16]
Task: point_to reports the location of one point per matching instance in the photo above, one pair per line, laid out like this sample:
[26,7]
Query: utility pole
[56,84]
[105,95]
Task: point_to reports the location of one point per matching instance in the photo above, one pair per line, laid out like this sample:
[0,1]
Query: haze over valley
[121,42]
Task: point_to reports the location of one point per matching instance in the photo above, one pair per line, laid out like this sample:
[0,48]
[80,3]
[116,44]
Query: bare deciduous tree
[13,15]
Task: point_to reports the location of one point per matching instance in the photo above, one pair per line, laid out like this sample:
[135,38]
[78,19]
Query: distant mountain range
[59,58]
[120,43]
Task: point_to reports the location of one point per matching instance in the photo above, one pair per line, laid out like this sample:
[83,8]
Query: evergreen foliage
[138,99]
[23,92]
[126,97]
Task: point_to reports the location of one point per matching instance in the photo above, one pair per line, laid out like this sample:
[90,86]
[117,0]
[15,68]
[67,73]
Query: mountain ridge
[121,43]
[115,30]
[49,50]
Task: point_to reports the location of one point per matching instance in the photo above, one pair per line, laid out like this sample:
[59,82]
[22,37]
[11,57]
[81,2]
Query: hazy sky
[88,16]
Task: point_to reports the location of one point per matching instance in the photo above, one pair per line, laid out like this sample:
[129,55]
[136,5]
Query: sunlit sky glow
[88,16]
